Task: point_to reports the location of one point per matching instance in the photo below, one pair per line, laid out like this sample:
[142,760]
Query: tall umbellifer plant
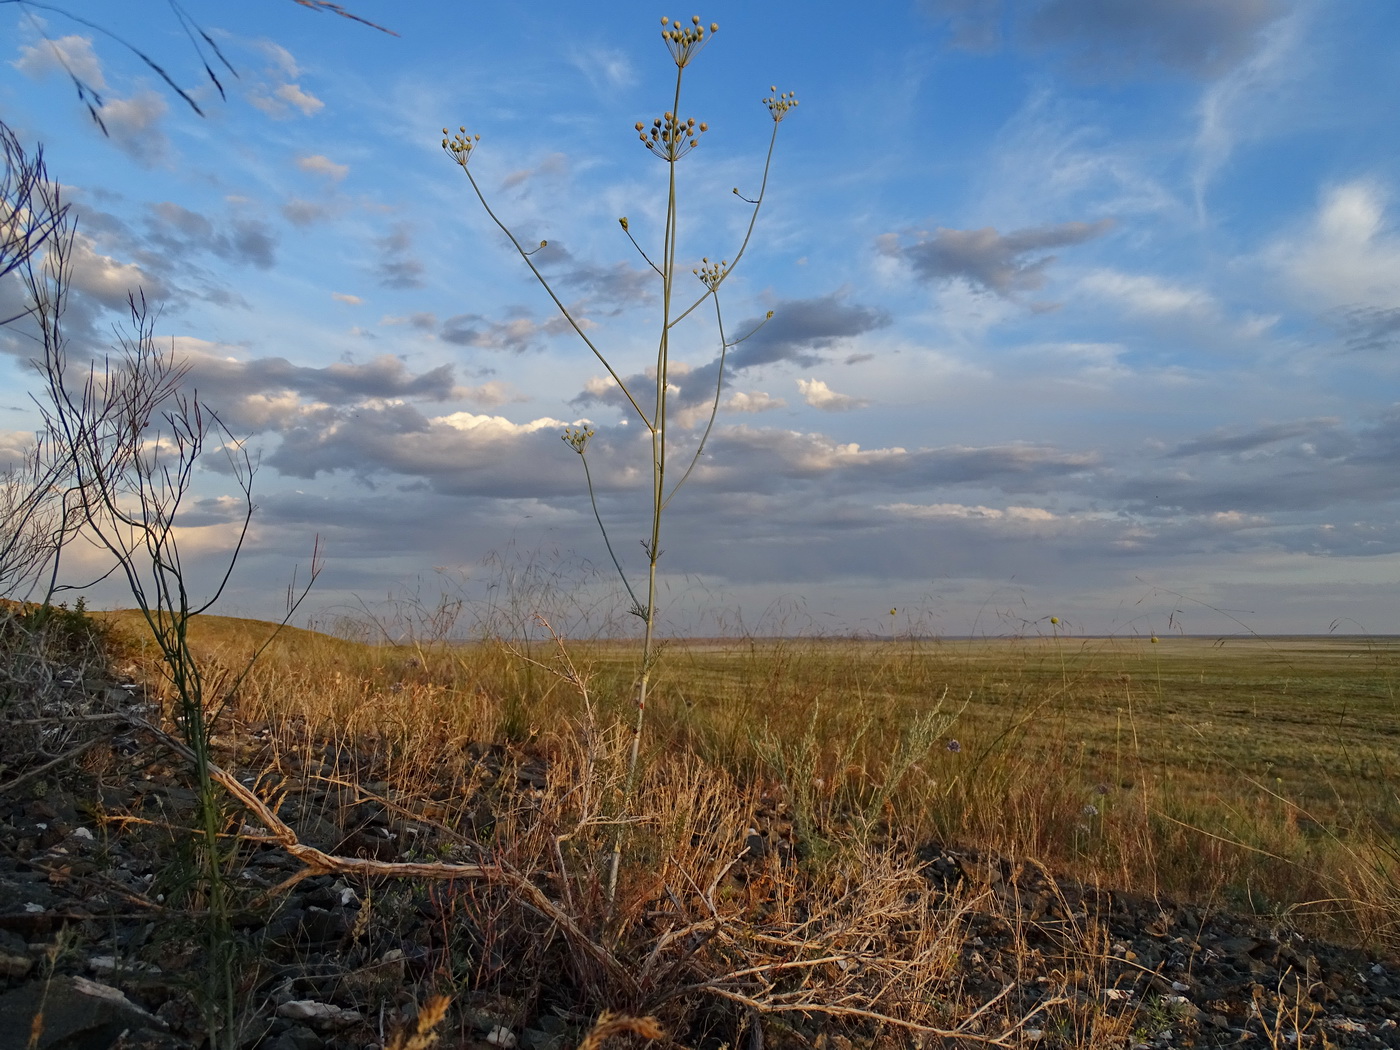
[669,137]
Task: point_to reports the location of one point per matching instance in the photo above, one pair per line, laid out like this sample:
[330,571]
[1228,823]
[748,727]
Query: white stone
[319,1015]
[502,1037]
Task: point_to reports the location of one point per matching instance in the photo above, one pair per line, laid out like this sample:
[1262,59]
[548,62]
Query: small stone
[319,1015]
[14,965]
[502,1037]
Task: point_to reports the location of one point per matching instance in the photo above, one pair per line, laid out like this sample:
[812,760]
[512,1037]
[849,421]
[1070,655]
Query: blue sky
[1081,307]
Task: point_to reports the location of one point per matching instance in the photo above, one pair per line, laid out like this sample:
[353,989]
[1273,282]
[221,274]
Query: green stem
[658,493]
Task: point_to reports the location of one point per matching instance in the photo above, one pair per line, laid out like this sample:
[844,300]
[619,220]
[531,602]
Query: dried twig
[318,862]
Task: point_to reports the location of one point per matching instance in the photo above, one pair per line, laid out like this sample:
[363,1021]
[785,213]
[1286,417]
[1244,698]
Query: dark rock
[78,1014]
[297,1037]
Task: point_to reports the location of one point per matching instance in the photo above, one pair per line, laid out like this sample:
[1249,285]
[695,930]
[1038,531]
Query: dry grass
[1258,774]
[1249,776]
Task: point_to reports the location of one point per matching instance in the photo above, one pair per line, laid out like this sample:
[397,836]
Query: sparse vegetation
[782,873]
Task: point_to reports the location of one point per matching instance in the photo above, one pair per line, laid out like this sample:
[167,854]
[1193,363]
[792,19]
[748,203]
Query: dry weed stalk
[670,138]
[610,1024]
[424,1033]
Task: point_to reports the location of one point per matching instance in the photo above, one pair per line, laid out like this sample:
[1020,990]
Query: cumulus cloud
[134,125]
[1003,264]
[281,100]
[800,328]
[279,59]
[316,164]
[70,55]
[607,289]
[177,229]
[276,93]
[108,280]
[798,332]
[270,392]
[461,452]
[516,335]
[817,394]
[1300,467]
[792,454]
[749,402]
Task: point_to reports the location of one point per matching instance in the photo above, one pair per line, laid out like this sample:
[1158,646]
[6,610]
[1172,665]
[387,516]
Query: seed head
[460,145]
[778,105]
[671,138]
[711,274]
[577,438]
[685,42]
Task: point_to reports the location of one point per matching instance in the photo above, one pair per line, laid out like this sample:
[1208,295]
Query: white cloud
[281,58]
[497,427]
[134,124]
[1350,253]
[294,95]
[491,394]
[106,279]
[1141,294]
[935,511]
[284,98]
[817,394]
[319,165]
[757,401]
[342,297]
[1248,102]
[67,54]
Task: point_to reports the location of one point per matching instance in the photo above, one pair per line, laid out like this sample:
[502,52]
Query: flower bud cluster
[671,138]
[460,145]
[685,42]
[778,105]
[577,438]
[711,273]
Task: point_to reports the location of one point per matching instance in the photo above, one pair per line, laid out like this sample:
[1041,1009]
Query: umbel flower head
[685,42]
[778,105]
[459,147]
[577,438]
[711,273]
[671,138]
